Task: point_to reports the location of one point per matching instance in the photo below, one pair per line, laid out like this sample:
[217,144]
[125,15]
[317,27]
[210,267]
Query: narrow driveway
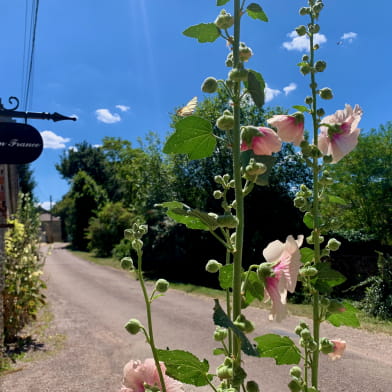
[92,303]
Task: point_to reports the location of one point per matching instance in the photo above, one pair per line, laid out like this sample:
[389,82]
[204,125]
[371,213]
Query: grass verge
[368,323]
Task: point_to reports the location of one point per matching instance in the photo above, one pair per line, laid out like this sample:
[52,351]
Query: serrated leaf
[281,348]
[267,160]
[193,136]
[180,213]
[348,317]
[307,255]
[204,32]
[256,12]
[185,367]
[301,108]
[222,320]
[226,276]
[221,2]
[308,220]
[256,86]
[337,200]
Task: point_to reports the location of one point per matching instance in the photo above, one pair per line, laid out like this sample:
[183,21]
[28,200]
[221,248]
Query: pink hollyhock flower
[286,262]
[137,375]
[339,132]
[265,142]
[290,128]
[338,349]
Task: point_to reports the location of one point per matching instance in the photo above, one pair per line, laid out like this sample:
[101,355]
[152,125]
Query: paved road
[91,304]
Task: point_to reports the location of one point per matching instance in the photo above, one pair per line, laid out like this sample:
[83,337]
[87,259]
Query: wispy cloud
[46,205]
[270,93]
[302,43]
[288,89]
[349,36]
[123,108]
[51,140]
[105,116]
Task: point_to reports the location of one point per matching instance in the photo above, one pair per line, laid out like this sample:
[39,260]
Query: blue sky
[123,66]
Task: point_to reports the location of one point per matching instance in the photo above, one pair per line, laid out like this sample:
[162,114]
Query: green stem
[149,322]
[229,309]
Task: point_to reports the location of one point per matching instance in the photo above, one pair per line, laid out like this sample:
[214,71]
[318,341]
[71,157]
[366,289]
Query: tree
[364,180]
[25,179]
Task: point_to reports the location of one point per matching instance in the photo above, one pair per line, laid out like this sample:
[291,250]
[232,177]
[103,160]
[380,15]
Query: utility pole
[9,180]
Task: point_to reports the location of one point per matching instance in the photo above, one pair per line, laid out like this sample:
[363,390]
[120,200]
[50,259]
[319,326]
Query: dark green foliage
[107,228]
[26,179]
[378,297]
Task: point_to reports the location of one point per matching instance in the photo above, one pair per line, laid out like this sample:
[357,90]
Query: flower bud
[333,244]
[320,112]
[220,334]
[209,85]
[243,324]
[305,334]
[213,266]
[305,58]
[296,371]
[245,53]
[162,285]
[327,158]
[219,180]
[318,7]
[137,244]
[326,93]
[218,195]
[133,326]
[299,202]
[238,74]
[320,65]
[252,386]
[229,60]
[294,386]
[314,28]
[308,271]
[326,346]
[312,345]
[226,121]
[227,220]
[308,100]
[127,263]
[298,330]
[303,325]
[304,11]
[265,270]
[305,69]
[224,20]
[301,30]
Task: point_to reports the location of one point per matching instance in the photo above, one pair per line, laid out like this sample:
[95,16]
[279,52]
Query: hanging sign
[19,143]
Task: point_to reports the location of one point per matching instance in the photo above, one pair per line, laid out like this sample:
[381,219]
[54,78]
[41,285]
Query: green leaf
[281,348]
[219,351]
[221,2]
[307,255]
[308,220]
[348,317]
[193,136]
[301,108]
[327,278]
[185,367]
[256,12]
[226,276]
[222,320]
[256,86]
[267,160]
[204,32]
[254,287]
[181,213]
[337,200]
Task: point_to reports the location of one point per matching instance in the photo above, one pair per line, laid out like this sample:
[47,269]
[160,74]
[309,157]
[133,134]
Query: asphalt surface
[91,304]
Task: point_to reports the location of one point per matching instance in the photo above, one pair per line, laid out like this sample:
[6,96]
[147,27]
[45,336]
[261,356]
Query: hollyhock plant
[338,349]
[285,261]
[140,376]
[290,127]
[339,132]
[263,141]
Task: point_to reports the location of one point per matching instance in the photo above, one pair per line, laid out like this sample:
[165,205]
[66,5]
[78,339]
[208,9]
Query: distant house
[50,228]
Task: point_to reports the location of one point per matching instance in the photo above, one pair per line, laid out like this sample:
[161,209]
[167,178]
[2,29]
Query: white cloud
[288,89]
[123,108]
[270,93]
[51,140]
[349,36]
[46,205]
[106,117]
[302,43]
[73,148]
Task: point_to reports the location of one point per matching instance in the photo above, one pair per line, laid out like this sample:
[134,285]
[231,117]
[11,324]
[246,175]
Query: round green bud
[219,180]
[320,112]
[333,244]
[299,202]
[304,11]
[137,244]
[243,324]
[294,386]
[245,53]
[225,122]
[298,330]
[326,93]
[316,47]
[238,75]
[318,7]
[305,334]
[227,220]
[161,285]
[224,372]
[315,28]
[305,57]
[224,20]
[218,195]
[213,266]
[301,30]
[229,60]
[303,325]
[302,342]
[308,100]
[265,270]
[326,346]
[210,85]
[220,334]
[308,272]
[305,69]
[296,371]
[252,386]
[320,65]
[327,158]
[127,263]
[312,345]
[133,326]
